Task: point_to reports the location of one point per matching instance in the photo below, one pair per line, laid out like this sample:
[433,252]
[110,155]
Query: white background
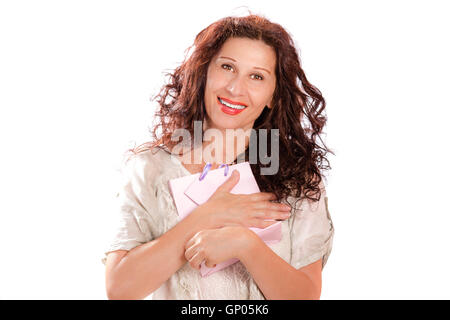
[76,79]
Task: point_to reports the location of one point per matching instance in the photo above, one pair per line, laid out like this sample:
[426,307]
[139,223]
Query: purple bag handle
[226,169]
[208,167]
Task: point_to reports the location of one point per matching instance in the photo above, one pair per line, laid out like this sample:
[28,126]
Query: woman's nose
[236,86]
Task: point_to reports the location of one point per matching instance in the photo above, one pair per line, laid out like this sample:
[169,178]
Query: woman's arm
[276,278]
[137,273]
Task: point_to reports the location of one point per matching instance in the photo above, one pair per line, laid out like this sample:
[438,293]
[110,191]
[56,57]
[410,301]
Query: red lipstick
[233,102]
[228,110]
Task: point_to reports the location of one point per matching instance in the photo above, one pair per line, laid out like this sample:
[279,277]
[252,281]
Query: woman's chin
[226,124]
[222,121]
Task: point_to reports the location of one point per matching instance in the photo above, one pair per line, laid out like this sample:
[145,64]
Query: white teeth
[234,106]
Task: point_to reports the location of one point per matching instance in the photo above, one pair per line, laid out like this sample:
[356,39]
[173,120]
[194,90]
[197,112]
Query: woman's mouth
[230,107]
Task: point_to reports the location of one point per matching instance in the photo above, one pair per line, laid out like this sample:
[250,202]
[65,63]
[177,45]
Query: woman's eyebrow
[253,67]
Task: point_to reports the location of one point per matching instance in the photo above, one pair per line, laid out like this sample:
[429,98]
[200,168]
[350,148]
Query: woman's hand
[249,210]
[218,245]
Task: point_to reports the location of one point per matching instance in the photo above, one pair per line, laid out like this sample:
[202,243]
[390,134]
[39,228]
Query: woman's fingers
[236,209]
[196,260]
[271,207]
[189,243]
[267,214]
[260,223]
[229,184]
[262,196]
[209,264]
[196,257]
[189,253]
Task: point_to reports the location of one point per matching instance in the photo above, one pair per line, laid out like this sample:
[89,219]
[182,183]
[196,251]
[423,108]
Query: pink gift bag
[189,192]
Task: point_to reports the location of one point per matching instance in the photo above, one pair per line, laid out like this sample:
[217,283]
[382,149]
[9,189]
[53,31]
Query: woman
[244,73]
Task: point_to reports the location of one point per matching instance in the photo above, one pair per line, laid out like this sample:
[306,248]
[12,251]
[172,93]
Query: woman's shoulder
[146,164]
[306,203]
[149,155]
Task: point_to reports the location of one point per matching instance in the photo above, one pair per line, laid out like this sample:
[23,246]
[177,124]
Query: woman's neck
[222,146]
[216,149]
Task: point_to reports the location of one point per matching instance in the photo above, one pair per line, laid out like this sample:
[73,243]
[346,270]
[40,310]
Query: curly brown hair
[297,110]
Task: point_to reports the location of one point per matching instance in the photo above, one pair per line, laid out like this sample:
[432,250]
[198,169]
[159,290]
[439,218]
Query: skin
[276,278]
[244,71]
[218,230]
[137,273]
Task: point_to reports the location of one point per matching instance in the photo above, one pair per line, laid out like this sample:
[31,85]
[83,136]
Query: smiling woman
[243,74]
[240,82]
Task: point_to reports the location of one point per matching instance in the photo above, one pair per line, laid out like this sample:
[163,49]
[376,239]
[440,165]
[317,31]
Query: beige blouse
[146,211]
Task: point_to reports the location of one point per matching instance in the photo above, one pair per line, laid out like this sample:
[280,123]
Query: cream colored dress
[146,211]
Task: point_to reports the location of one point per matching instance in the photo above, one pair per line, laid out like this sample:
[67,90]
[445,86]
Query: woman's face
[240,83]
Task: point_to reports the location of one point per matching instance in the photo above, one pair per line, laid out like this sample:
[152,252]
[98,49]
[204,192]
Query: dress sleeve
[134,202]
[311,231]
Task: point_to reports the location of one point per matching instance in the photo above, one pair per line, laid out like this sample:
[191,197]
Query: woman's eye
[253,76]
[227,67]
[258,77]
